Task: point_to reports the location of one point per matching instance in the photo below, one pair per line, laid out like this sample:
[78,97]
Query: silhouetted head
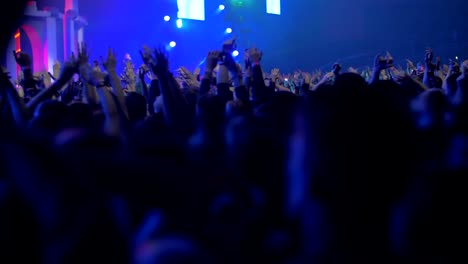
[211,111]
[350,82]
[136,106]
[80,115]
[170,250]
[450,85]
[50,116]
[431,108]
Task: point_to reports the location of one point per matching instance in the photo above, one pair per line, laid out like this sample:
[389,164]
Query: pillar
[69,30]
[11,65]
[52,42]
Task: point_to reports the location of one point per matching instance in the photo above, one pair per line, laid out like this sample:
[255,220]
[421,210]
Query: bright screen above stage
[191,9]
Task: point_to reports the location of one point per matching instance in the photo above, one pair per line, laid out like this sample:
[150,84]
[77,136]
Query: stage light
[191,9]
[167,18]
[221,7]
[273,7]
[235,53]
[228,30]
[172,44]
[179,23]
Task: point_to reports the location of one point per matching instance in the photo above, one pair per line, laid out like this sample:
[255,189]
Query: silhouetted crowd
[232,164]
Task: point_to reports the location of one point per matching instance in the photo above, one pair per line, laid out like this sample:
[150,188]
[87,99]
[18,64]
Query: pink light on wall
[69,5]
[37,47]
[45,55]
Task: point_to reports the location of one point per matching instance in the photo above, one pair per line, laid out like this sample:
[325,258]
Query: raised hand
[462,80]
[353,70]
[23,59]
[161,65]
[445,68]
[389,59]
[4,78]
[147,56]
[110,64]
[97,78]
[229,45]
[336,68]
[410,65]
[47,80]
[197,71]
[383,63]
[275,74]
[70,68]
[429,56]
[464,67]
[247,62]
[454,67]
[143,71]
[327,77]
[83,60]
[56,69]
[212,60]
[437,64]
[307,77]
[255,55]
[83,55]
[185,76]
[230,63]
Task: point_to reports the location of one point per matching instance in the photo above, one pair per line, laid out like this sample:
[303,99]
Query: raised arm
[174,103]
[260,92]
[24,61]
[110,64]
[429,69]
[210,64]
[142,72]
[90,93]
[113,118]
[69,69]
[18,109]
[223,81]
[380,63]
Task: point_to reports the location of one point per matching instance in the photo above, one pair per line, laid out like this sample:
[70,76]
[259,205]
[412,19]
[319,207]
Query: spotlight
[167,18]
[172,44]
[179,23]
[221,7]
[228,30]
[235,53]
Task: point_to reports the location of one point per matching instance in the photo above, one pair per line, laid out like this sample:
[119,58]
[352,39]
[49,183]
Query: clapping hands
[383,63]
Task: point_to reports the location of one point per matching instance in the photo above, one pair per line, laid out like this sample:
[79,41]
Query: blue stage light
[228,30]
[221,7]
[167,18]
[235,53]
[172,44]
